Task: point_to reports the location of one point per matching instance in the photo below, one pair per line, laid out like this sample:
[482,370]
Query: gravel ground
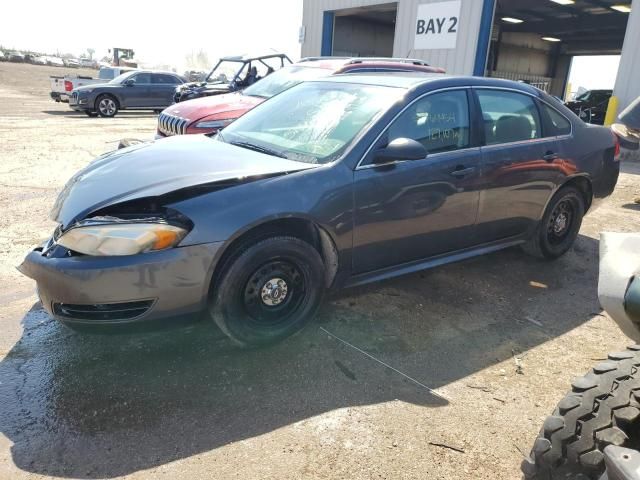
[184,404]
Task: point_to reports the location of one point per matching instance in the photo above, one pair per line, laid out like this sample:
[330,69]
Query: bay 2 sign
[437,25]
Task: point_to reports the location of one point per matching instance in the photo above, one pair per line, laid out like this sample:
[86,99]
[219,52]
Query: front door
[407,211]
[139,94]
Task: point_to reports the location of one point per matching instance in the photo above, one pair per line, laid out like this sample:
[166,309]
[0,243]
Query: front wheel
[269,291]
[559,226]
[107,106]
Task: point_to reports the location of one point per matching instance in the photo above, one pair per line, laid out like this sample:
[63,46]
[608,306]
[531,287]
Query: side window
[143,79]
[162,79]
[555,123]
[508,116]
[439,121]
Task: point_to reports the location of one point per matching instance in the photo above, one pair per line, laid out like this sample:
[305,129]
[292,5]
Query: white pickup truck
[61,87]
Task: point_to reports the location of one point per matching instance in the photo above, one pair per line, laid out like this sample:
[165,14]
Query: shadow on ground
[632,206]
[74,114]
[102,406]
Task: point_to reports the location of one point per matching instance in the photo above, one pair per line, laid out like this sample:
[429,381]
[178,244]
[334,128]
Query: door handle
[550,156]
[461,171]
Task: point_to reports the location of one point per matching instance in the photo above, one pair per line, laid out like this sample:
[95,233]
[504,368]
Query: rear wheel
[560,225]
[602,409]
[107,106]
[268,291]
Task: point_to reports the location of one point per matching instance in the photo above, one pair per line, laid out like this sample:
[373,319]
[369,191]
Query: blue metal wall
[484,37]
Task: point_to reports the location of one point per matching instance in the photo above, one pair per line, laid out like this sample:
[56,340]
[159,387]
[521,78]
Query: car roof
[410,80]
[245,57]
[155,71]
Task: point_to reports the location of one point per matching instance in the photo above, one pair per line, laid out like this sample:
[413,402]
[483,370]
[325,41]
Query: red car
[210,114]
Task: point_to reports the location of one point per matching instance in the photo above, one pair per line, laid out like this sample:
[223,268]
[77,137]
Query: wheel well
[115,99]
[300,228]
[583,185]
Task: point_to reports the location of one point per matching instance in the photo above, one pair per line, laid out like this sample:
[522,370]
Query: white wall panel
[456,61]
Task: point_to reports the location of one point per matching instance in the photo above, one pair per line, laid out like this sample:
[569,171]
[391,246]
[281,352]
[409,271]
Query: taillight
[68,86]
[616,153]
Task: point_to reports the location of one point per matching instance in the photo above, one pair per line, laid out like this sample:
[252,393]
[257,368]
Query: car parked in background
[71,62]
[210,114]
[334,182]
[88,63]
[55,62]
[231,74]
[133,90]
[62,86]
[591,106]
[39,60]
[16,57]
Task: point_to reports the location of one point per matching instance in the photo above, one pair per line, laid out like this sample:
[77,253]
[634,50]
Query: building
[528,40]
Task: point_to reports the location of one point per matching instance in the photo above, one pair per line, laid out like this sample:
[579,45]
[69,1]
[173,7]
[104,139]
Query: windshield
[283,79]
[225,71]
[122,77]
[313,122]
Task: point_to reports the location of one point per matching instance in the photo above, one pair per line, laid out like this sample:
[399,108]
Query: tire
[90,113]
[268,291]
[559,227]
[602,409]
[106,106]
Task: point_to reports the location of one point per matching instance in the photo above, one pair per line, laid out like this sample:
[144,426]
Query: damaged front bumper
[88,290]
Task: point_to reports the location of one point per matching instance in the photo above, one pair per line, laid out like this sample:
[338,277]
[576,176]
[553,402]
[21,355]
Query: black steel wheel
[559,227]
[268,291]
[560,220]
[107,106]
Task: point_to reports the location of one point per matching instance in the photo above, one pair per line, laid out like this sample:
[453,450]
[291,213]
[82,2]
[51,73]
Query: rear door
[407,211]
[163,87]
[520,166]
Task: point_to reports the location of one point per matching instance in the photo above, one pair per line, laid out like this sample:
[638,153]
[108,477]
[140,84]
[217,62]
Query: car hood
[574,104]
[198,108]
[205,85]
[156,168]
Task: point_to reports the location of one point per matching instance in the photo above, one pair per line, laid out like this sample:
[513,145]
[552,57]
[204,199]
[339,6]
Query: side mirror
[400,149]
[130,82]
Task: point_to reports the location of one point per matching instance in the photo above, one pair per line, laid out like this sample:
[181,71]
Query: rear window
[555,123]
[508,116]
[107,73]
[163,79]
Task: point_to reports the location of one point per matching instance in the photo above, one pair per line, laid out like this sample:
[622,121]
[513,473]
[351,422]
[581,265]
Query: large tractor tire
[602,409]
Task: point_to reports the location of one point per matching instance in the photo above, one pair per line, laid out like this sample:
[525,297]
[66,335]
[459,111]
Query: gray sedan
[332,183]
[134,90]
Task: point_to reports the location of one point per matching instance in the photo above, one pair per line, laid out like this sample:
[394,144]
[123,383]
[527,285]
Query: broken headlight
[121,238]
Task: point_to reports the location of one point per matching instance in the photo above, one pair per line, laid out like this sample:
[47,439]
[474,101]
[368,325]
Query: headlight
[121,239]
[215,123]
